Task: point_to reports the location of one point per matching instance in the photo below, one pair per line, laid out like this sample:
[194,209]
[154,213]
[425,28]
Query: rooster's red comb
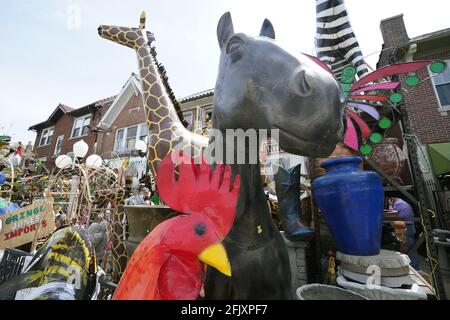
[199,189]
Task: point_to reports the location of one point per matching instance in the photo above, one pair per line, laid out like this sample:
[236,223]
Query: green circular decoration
[349,71]
[366,149]
[385,123]
[376,137]
[396,98]
[412,81]
[437,66]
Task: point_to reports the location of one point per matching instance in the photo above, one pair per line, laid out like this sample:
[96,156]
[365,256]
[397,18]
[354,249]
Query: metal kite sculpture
[169,263]
[373,92]
[339,53]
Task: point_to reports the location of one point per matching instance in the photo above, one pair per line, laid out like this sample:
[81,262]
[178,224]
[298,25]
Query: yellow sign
[20,226]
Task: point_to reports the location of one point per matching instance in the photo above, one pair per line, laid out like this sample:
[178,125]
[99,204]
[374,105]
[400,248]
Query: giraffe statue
[166,129]
[164,118]
[118,248]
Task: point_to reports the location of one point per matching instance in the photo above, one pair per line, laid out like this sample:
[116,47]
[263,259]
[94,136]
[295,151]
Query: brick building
[111,127]
[65,126]
[124,122]
[428,104]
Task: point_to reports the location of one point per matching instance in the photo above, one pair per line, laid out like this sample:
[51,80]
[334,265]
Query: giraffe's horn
[142,21]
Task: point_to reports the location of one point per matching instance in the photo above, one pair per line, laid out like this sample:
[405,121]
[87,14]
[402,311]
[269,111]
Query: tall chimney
[393,31]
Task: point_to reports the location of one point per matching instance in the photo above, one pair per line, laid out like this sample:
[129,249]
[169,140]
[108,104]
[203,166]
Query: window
[441,84]
[126,138]
[46,136]
[189,117]
[206,116]
[81,126]
[119,140]
[130,138]
[143,131]
[58,145]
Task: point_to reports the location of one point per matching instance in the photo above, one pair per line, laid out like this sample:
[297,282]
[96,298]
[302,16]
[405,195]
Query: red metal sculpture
[167,264]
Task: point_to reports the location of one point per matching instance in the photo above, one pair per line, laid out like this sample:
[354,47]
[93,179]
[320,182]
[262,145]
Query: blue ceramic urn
[351,201]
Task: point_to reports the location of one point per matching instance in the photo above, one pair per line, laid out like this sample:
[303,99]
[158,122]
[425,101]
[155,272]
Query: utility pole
[423,202]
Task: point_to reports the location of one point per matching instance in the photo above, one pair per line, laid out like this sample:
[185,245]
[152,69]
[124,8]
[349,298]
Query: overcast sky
[50,51]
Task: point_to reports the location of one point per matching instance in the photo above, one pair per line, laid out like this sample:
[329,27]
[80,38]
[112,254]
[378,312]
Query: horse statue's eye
[234,44]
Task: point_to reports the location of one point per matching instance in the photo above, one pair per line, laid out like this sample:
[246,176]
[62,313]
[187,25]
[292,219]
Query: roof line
[201,94]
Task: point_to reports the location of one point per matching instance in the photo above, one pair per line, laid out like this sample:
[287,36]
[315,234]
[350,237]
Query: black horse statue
[261,86]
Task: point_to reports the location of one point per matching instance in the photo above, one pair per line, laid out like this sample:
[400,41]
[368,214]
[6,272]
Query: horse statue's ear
[224,29]
[267,29]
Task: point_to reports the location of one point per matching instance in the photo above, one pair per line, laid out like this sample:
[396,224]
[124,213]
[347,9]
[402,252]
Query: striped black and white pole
[336,43]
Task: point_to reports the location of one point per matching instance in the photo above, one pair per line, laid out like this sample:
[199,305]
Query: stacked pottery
[351,201]
[389,157]
[386,276]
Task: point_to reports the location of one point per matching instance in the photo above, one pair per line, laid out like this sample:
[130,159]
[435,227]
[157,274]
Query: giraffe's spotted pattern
[119,249]
[166,132]
[116,195]
[165,129]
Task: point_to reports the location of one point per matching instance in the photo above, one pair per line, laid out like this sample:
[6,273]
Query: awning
[440,157]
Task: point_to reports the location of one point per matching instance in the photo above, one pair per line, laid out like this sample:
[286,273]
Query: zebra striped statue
[336,44]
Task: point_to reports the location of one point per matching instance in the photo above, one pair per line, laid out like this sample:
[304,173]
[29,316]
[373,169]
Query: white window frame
[48,138]
[142,126]
[191,114]
[59,138]
[81,129]
[138,135]
[441,107]
[200,122]
[205,110]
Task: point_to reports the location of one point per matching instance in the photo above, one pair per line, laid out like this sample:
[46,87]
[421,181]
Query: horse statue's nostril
[300,83]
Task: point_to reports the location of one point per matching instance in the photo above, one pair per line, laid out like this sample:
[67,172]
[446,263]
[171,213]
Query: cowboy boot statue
[287,185]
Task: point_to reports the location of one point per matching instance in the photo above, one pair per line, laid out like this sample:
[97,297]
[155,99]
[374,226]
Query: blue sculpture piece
[351,201]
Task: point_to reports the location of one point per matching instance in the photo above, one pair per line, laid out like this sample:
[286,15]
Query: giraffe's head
[129,37]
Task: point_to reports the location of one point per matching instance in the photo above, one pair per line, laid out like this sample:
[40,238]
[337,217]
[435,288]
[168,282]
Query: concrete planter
[142,220]
[317,291]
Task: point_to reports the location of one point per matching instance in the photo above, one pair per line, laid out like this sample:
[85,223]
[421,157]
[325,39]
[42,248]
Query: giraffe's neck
[159,110]
[166,132]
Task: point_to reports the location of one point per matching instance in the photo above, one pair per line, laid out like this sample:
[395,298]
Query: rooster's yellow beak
[216,256]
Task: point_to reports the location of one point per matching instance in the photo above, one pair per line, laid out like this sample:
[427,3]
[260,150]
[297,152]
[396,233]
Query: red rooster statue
[169,263]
